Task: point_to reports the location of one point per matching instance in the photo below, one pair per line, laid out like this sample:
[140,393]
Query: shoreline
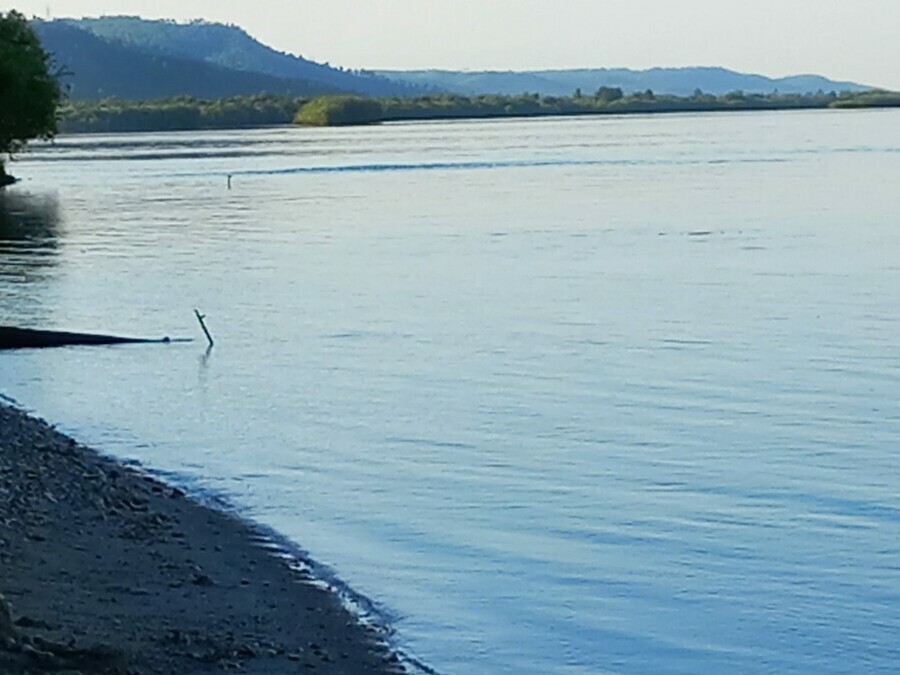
[163,119]
[105,569]
[76,134]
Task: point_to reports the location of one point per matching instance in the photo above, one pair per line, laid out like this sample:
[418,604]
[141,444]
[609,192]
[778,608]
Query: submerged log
[25,338]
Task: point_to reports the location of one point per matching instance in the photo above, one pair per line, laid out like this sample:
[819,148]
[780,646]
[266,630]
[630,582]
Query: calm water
[562,396]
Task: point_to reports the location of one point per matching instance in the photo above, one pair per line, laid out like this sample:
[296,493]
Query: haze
[841,40]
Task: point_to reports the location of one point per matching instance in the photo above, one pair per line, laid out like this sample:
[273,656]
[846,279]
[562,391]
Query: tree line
[340,110]
[186,113]
[181,113]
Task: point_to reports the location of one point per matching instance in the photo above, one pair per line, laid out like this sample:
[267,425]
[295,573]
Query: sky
[841,39]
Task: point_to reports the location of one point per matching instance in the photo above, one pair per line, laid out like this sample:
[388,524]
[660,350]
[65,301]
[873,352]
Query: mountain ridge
[232,47]
[680,81]
[133,58]
[93,68]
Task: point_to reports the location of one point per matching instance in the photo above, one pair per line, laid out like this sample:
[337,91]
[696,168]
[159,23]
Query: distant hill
[95,68]
[133,58]
[130,57]
[674,81]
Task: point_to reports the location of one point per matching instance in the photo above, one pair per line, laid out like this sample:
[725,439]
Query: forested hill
[668,81]
[134,58]
[94,68]
[130,57]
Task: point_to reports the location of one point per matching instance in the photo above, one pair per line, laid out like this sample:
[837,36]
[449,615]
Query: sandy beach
[106,570]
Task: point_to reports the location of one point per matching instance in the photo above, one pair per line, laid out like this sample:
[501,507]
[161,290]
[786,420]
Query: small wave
[425,166]
[349,335]
[682,342]
[11,401]
[371,614]
[430,443]
[399,167]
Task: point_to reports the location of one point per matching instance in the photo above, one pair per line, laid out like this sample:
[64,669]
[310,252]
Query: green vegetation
[182,113]
[29,92]
[186,113]
[337,111]
[869,99]
[605,100]
[343,110]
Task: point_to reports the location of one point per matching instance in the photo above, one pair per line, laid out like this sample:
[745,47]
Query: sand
[106,570]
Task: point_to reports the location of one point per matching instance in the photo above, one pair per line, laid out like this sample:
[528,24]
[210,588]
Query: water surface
[561,395]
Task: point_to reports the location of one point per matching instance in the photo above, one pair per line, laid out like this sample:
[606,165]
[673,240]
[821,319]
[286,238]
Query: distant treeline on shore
[186,113]
[182,113]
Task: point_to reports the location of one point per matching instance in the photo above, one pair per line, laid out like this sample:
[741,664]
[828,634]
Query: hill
[669,81]
[95,68]
[230,47]
[134,58]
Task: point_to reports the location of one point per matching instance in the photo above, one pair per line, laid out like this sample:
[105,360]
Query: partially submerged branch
[26,338]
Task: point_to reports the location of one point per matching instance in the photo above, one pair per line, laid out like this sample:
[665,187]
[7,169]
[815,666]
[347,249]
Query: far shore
[247,112]
[104,569]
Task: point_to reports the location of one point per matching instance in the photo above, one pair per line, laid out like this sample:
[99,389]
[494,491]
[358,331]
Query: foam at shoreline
[108,568]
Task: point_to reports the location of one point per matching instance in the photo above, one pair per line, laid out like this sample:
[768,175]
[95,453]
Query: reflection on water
[29,242]
[28,221]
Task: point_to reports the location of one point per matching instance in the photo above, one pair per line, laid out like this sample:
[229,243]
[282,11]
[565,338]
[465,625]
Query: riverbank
[106,570]
[188,114]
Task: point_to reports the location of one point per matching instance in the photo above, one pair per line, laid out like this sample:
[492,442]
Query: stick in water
[200,318]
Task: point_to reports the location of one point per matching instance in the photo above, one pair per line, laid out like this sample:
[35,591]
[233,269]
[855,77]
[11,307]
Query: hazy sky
[842,39]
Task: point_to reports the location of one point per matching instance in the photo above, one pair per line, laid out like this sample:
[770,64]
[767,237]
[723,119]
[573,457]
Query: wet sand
[106,570]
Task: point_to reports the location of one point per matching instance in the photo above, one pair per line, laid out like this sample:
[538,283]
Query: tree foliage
[227,54]
[606,101]
[181,113]
[186,113]
[335,111]
[869,99]
[29,91]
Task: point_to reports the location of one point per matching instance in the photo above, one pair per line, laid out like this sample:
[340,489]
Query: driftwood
[200,318]
[26,338]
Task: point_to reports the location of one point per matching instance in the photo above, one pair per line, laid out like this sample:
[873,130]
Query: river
[560,396]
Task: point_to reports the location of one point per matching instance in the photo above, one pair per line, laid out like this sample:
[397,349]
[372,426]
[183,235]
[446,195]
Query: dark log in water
[25,338]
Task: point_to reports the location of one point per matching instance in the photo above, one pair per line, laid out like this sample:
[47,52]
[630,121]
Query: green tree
[341,111]
[609,94]
[29,91]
